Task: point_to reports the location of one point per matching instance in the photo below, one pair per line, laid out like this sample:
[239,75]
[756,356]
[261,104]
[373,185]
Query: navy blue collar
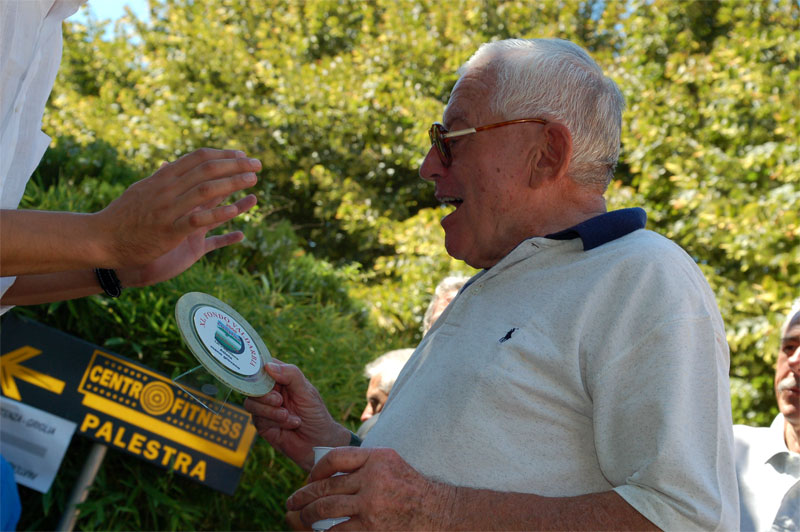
[604,228]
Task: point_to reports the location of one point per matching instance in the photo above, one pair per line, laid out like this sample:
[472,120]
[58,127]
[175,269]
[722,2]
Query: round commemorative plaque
[224,343]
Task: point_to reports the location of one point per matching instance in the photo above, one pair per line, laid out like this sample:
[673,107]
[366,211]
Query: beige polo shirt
[563,372]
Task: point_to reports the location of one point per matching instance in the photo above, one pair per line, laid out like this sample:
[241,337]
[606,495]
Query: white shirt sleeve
[663,426]
[30,40]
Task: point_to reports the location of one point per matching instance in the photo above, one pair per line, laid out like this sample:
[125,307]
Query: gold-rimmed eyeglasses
[440,135]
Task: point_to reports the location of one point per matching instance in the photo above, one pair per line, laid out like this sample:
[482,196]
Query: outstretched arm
[60,286]
[153,232]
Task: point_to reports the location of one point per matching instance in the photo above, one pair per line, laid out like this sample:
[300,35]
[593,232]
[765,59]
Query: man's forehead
[468,101]
[792,331]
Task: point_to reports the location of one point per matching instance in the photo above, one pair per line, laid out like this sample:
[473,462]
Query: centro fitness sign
[123,404]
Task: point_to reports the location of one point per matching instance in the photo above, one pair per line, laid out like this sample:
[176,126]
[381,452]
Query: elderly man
[579,381]
[768,458]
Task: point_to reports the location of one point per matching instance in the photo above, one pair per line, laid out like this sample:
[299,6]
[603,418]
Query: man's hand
[156,228]
[292,416]
[379,491]
[165,217]
[182,257]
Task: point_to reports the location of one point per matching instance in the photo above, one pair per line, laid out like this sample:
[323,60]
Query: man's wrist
[130,277]
[341,437]
[444,498]
[99,232]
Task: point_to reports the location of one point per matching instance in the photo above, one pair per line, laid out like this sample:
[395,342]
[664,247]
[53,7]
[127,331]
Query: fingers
[213,202]
[288,375]
[216,216]
[329,497]
[331,507]
[207,194]
[219,241]
[197,157]
[266,419]
[340,460]
[216,169]
[191,180]
[268,411]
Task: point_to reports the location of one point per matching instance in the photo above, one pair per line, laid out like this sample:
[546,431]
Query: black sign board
[123,404]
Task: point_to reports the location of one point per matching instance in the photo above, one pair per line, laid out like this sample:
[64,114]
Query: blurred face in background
[440,304]
[787,374]
[376,398]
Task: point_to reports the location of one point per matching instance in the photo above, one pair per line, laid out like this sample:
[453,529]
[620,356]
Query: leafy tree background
[334,97]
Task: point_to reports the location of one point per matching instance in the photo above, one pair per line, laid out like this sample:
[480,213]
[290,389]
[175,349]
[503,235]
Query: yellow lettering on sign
[128,393]
[139,444]
[94,374]
[214,424]
[118,439]
[199,471]
[135,389]
[168,452]
[105,432]
[90,421]
[182,462]
[135,445]
[205,417]
[105,378]
[177,405]
[195,411]
[152,448]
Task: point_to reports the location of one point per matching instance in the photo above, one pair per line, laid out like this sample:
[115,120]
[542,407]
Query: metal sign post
[81,488]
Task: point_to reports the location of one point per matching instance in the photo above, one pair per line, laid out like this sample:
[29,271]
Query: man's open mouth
[451,200]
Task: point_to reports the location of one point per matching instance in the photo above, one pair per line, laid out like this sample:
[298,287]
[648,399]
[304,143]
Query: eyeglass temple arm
[460,132]
[471,130]
[510,122]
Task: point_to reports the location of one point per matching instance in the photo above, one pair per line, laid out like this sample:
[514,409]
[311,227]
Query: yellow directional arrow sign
[10,369]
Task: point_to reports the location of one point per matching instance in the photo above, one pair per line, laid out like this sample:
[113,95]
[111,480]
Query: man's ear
[555,152]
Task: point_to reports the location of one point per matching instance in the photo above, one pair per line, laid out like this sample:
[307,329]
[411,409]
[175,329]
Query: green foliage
[334,97]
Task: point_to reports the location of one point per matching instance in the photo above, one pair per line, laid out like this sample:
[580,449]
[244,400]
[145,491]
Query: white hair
[446,288]
[556,80]
[790,317]
[388,366]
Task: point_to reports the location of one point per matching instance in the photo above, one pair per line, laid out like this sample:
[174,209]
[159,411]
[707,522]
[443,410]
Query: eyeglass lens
[436,134]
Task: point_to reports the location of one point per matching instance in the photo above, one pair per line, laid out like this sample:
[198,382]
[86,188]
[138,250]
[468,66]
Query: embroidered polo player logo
[508,335]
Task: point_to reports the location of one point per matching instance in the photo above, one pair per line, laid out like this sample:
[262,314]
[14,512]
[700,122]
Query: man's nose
[367,413]
[794,359]
[431,166]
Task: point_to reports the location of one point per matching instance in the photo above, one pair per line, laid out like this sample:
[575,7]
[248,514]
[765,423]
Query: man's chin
[453,249]
[789,406]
